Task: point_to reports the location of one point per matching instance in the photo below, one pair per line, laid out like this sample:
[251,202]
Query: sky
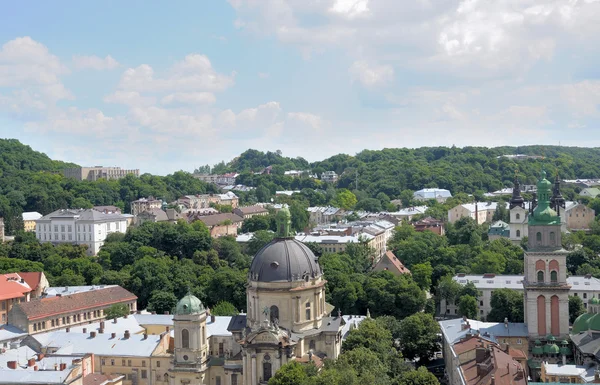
[163,86]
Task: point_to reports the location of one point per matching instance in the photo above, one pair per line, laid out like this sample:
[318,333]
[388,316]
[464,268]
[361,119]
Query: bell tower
[546,292]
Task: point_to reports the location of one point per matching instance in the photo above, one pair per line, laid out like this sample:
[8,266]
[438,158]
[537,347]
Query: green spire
[284,223]
[543,213]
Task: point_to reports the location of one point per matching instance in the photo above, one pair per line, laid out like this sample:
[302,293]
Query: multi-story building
[158,215]
[250,211]
[408,212]
[481,211]
[13,290]
[439,194]
[338,243]
[109,209]
[329,177]
[227,179]
[430,224]
[79,227]
[64,311]
[98,172]
[145,204]
[29,219]
[221,225]
[203,201]
[208,178]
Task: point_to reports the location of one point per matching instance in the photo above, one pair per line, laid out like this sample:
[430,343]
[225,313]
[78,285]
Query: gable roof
[31,216]
[251,210]
[46,307]
[391,258]
[32,278]
[13,286]
[217,219]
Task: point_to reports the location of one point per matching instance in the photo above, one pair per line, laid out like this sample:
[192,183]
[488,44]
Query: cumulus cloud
[371,75]
[312,120]
[95,63]
[189,98]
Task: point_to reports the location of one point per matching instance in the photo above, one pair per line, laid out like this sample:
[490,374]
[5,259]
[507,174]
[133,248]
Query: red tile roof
[496,365]
[100,379]
[32,278]
[394,261]
[13,286]
[47,307]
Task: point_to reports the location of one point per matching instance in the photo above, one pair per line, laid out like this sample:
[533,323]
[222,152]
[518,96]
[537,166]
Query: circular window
[185,307]
[185,358]
[274,265]
[267,357]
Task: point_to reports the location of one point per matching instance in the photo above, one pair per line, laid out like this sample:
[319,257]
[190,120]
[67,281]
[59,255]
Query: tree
[576,308]
[419,336]
[292,373]
[447,290]
[162,302]
[506,303]
[467,306]
[370,335]
[224,308]
[344,199]
[422,273]
[421,376]
[256,223]
[117,310]
[259,240]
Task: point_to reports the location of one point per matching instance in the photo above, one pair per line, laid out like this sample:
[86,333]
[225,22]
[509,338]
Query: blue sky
[143,84]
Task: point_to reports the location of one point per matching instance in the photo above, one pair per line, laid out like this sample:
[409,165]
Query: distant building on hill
[29,219]
[389,262]
[440,195]
[430,224]
[329,177]
[144,204]
[482,212]
[98,172]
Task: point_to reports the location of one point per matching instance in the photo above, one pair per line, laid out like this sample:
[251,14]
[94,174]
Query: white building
[79,227]
[438,194]
[329,177]
[584,287]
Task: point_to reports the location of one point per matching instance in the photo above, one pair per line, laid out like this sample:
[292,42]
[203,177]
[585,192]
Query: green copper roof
[550,337]
[594,322]
[594,301]
[537,350]
[543,214]
[551,349]
[565,351]
[189,305]
[581,323]
[283,218]
[538,342]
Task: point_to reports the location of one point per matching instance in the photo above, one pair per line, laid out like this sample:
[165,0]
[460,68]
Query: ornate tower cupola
[516,200]
[557,201]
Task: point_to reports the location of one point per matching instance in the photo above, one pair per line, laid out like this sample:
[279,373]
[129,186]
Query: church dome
[581,323]
[189,304]
[284,260]
[593,322]
[551,349]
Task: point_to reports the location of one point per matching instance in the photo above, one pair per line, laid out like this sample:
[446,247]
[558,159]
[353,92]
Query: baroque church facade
[287,319]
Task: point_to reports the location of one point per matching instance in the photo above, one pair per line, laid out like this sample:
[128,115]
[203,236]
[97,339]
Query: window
[122,362]
[267,372]
[518,216]
[538,237]
[202,335]
[56,228]
[221,350]
[3,305]
[308,311]
[576,295]
[143,363]
[158,364]
[218,380]
[553,276]
[103,361]
[584,295]
[56,236]
[518,233]
[144,374]
[128,362]
[480,303]
[62,236]
[234,380]
[540,276]
[70,237]
[312,345]
[481,312]
[70,228]
[185,338]
[62,228]
[552,238]
[112,362]
[519,341]
[274,314]
[166,377]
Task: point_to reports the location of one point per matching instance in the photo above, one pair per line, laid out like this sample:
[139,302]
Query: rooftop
[492,281]
[82,215]
[13,286]
[217,219]
[31,216]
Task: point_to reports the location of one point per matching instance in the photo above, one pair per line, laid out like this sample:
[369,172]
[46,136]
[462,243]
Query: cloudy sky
[150,85]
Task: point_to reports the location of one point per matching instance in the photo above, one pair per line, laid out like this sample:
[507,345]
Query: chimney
[31,362]
[84,330]
[126,335]
[493,380]
[67,330]
[41,356]
[63,366]
[145,336]
[115,320]
[212,318]
[167,329]
[92,334]
[12,364]
[101,324]
[35,368]
[480,354]
[55,366]
[113,335]
[101,331]
[125,316]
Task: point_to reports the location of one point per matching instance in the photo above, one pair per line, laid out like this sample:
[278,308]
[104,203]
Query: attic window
[185,307]
[274,265]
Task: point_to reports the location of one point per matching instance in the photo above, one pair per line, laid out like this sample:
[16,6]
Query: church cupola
[516,200]
[557,201]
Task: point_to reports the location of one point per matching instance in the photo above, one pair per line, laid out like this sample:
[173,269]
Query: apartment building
[64,311]
[329,177]
[251,211]
[482,212]
[145,204]
[79,227]
[98,172]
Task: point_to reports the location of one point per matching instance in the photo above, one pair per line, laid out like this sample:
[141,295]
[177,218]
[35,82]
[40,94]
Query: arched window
[540,276]
[166,377]
[267,372]
[538,237]
[518,233]
[312,345]
[203,336]
[185,338]
[274,314]
[518,216]
[308,311]
[553,276]
[552,238]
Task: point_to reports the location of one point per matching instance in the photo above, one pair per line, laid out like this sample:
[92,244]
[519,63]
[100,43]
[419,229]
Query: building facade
[95,173]
[329,177]
[79,227]
[29,219]
[481,212]
[145,204]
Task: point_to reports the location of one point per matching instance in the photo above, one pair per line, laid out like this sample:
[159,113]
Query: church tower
[518,214]
[546,292]
[191,344]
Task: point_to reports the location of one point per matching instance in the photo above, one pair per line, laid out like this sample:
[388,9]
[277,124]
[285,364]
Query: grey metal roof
[284,259]
[237,323]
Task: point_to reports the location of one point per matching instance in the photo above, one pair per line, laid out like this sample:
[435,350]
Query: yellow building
[29,219]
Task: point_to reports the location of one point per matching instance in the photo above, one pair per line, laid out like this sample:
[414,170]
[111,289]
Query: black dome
[284,260]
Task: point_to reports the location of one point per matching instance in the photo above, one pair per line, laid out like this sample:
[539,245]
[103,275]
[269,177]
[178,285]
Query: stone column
[244,368]
[298,309]
[548,316]
[254,378]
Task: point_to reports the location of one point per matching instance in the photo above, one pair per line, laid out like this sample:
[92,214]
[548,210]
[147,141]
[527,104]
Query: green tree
[467,306]
[162,301]
[292,373]
[370,335]
[419,336]
[421,376]
[576,308]
[506,303]
[224,308]
[117,310]
[344,199]
[422,273]
[447,290]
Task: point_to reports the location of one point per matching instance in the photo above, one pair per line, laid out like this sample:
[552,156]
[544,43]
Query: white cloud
[194,73]
[95,63]
[129,98]
[370,75]
[350,8]
[312,120]
[189,98]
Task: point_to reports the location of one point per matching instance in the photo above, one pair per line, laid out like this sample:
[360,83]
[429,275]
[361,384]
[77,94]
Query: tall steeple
[516,200]
[557,201]
[543,214]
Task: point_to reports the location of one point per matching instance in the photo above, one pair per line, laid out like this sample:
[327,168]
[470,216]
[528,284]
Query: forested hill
[468,169]
[31,181]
